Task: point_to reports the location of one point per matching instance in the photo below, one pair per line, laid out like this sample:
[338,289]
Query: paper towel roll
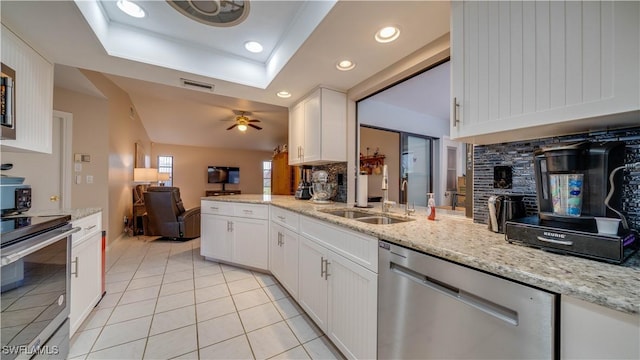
[363,193]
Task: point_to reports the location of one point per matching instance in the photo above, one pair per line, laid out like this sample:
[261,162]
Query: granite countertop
[75,213]
[458,239]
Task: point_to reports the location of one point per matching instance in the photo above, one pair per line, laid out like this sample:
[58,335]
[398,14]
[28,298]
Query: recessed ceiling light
[253,46]
[387,34]
[130,8]
[284,94]
[345,65]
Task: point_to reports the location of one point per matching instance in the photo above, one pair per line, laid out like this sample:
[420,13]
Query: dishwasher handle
[498,311]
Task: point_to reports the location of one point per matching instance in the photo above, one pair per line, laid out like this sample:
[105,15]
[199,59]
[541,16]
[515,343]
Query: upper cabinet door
[33,95]
[318,128]
[522,70]
[296,134]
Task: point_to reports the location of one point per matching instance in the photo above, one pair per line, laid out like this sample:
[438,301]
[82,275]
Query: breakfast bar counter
[459,240]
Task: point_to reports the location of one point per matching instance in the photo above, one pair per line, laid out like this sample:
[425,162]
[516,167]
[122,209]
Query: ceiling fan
[243,122]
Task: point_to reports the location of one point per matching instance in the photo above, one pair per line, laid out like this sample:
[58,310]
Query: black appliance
[303,192]
[503,208]
[15,197]
[35,286]
[577,233]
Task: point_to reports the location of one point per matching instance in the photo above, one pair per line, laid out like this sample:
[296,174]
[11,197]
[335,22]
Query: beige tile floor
[164,301]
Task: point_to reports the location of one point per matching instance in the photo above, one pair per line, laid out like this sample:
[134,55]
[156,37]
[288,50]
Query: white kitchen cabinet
[283,257]
[337,293]
[250,242]
[235,232]
[313,292]
[318,128]
[523,70]
[33,96]
[86,268]
[216,239]
[589,331]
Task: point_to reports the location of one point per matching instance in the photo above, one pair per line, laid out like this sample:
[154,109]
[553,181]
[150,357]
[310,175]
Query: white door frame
[66,139]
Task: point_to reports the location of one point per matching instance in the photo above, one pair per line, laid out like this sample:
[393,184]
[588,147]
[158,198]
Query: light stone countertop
[458,239]
[76,214]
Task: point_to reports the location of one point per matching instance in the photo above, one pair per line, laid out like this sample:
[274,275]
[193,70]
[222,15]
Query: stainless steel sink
[347,213]
[366,217]
[383,220]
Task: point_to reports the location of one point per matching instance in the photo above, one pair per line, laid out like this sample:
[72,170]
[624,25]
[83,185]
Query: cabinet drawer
[88,226]
[216,208]
[359,248]
[251,211]
[286,218]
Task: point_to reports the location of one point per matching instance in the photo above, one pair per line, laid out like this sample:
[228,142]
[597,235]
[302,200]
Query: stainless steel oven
[35,284]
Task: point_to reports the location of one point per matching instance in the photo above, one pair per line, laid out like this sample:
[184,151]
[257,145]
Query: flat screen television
[223,175]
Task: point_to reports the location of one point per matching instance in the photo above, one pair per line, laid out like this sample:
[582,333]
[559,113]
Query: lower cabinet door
[216,239]
[86,279]
[250,242]
[290,244]
[353,307]
[312,291]
[276,251]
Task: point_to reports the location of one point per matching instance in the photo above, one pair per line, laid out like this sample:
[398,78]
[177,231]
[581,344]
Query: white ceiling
[302,47]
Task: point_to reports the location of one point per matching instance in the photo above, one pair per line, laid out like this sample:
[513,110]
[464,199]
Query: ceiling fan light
[242,127]
[130,8]
[387,34]
[253,46]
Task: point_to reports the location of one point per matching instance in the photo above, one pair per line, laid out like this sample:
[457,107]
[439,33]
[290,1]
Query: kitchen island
[598,311]
[458,239]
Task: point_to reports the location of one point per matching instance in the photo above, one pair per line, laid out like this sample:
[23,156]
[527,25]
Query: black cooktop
[20,227]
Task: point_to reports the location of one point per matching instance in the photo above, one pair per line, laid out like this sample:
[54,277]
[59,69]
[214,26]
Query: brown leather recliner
[167,217]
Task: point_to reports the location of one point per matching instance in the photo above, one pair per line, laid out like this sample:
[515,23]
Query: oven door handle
[16,255]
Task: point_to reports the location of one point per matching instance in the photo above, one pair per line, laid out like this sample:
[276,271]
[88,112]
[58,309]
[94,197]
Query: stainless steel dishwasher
[429,308]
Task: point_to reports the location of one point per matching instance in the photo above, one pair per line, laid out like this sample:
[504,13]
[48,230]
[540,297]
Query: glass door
[416,169]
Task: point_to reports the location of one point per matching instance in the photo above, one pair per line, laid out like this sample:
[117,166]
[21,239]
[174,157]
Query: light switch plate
[78,179]
[77,167]
[89,179]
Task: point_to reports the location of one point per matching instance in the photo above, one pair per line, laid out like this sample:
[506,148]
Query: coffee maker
[303,192]
[573,189]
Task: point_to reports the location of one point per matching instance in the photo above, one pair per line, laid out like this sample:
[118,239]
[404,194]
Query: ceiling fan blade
[232,126]
[255,127]
[254,120]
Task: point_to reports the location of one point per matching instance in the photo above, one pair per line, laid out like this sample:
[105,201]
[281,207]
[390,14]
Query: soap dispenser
[431,207]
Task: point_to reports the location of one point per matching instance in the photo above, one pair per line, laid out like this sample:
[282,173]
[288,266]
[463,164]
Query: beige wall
[90,126]
[122,130]
[389,144]
[190,169]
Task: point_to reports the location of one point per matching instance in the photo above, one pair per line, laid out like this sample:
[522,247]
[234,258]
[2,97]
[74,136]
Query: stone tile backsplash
[519,155]
[338,174]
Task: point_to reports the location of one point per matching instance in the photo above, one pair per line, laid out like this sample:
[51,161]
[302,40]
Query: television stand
[222,192]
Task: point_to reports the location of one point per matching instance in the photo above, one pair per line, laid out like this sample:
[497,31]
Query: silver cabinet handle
[456,112]
[91,227]
[75,271]
[213,208]
[231,224]
[281,217]
[247,211]
[322,266]
[326,268]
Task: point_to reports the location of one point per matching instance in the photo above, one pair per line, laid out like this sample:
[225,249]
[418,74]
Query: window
[266,177]
[165,166]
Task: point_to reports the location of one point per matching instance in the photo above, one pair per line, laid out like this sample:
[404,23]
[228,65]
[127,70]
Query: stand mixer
[321,189]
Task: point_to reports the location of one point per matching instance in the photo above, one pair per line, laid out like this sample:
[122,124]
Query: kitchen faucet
[407,211]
